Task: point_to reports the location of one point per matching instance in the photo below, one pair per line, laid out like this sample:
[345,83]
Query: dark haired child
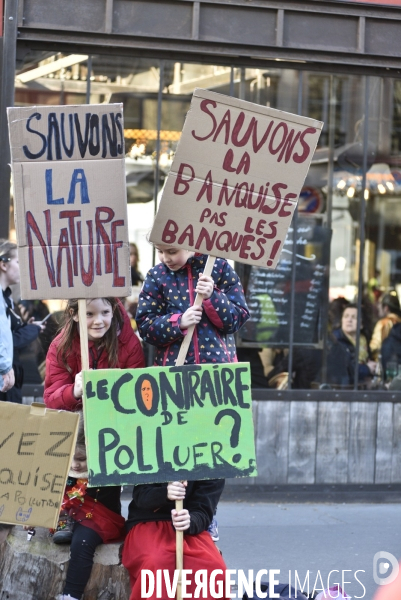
[165,311]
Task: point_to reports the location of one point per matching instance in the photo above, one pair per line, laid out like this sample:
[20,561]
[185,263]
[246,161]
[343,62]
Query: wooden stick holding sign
[179,505]
[198,301]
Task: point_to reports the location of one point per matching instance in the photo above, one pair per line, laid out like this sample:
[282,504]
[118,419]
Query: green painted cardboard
[169,423]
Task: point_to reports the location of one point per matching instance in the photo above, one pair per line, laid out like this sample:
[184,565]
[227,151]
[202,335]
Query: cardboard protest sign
[167,423]
[70,200]
[235,179]
[36,446]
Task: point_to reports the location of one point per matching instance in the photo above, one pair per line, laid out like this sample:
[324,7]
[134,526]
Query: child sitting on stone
[94,517]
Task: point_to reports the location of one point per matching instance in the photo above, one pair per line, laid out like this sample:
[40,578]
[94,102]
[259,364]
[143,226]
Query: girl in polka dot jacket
[165,308]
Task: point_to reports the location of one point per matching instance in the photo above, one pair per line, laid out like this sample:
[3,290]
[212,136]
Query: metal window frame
[328,395]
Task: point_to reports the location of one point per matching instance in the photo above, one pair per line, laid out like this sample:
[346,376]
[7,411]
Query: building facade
[320,417]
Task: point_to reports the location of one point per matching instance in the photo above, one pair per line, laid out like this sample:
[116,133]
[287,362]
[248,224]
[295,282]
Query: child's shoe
[63,533]
[213,529]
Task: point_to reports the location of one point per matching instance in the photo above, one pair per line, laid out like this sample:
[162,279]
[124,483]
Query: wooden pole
[179,535]
[198,301]
[83,335]
[179,552]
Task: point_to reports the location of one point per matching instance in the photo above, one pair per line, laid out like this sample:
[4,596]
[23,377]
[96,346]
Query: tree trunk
[36,570]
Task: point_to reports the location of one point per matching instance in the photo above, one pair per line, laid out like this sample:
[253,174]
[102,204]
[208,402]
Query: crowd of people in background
[379,348]
[340,365]
[29,329]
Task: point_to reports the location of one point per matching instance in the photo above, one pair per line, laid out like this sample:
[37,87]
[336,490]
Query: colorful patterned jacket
[167,294]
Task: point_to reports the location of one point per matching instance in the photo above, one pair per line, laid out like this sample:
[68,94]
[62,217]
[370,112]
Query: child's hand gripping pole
[179,535]
[83,336]
[198,301]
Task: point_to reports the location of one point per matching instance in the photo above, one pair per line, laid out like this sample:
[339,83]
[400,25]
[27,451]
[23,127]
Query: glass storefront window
[336,199]
[344,210]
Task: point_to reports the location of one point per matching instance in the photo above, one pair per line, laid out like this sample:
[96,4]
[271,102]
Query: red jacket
[59,383]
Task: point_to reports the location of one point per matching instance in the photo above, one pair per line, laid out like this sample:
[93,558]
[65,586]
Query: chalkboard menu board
[268,292]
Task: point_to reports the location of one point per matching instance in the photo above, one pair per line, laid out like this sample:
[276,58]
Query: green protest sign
[167,423]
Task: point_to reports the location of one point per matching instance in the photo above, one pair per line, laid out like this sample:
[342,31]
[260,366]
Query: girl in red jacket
[112,345]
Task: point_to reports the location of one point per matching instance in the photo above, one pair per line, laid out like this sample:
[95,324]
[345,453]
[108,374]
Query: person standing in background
[390,314]
[7,374]
[342,354]
[6,351]
[22,333]
[136,276]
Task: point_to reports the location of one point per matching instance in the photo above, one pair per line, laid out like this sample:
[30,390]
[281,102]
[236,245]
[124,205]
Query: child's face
[99,316]
[173,258]
[79,463]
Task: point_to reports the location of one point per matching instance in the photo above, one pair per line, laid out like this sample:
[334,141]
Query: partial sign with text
[36,445]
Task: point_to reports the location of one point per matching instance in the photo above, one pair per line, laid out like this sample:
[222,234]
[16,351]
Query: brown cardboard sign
[36,445]
[70,201]
[235,179]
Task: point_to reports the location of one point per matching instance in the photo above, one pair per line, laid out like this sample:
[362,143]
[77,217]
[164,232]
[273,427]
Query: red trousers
[152,545]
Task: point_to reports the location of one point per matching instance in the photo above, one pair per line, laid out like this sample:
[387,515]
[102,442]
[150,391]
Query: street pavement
[318,538]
